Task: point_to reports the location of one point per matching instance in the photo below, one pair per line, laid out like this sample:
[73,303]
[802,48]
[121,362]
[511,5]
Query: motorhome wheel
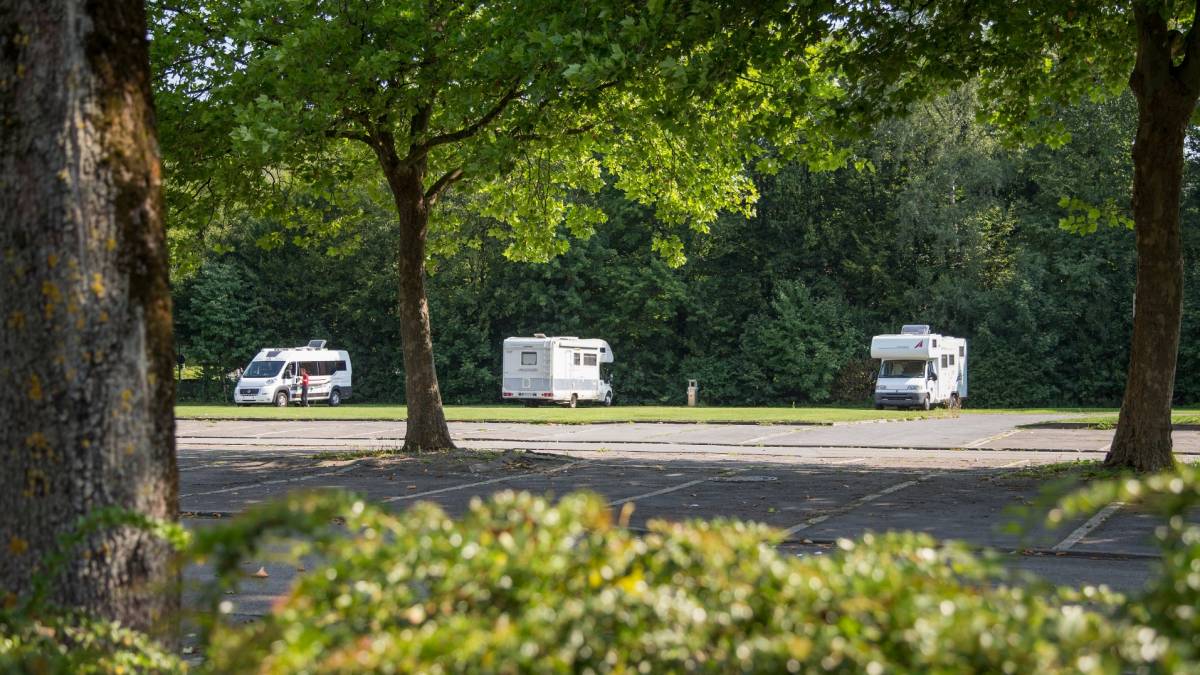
[926,405]
[281,399]
[574,400]
[608,398]
[335,397]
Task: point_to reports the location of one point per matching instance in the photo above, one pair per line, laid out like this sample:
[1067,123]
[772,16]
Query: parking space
[814,483]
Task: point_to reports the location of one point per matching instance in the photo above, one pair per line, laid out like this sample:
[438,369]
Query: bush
[521,584]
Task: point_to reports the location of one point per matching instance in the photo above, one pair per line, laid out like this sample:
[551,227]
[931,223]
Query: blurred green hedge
[521,584]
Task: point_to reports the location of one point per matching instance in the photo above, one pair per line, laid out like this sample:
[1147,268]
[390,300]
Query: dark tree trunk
[425,428]
[1166,96]
[86,344]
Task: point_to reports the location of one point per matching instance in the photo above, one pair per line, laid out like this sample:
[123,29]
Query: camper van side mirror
[933,376]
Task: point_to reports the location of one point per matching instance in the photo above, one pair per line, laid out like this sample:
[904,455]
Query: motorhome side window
[945,361]
[576,358]
[962,351]
[263,369]
[589,359]
[529,358]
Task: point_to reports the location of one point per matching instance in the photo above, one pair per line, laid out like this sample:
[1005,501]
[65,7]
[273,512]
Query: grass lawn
[1190,416]
[581,415]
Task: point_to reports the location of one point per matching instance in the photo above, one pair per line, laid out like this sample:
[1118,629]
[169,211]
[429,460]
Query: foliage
[72,644]
[521,584]
[1168,611]
[38,638]
[519,105]
[799,346]
[948,227]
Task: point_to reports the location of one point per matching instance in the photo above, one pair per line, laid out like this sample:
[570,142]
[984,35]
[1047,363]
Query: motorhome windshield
[902,369]
[263,369]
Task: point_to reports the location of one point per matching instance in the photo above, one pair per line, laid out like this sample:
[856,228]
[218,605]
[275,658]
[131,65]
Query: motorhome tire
[281,399]
[879,406]
[608,398]
[335,397]
[574,400]
[925,405]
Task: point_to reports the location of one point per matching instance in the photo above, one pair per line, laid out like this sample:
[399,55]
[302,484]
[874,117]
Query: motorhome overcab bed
[542,369]
[274,376]
[920,369]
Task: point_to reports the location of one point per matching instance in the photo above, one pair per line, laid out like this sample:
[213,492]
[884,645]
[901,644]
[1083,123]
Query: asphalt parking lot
[959,478]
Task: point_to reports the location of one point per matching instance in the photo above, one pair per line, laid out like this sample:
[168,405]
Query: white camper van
[920,369]
[542,369]
[274,375]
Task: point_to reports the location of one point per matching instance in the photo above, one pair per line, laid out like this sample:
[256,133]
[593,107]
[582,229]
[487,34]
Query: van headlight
[914,387]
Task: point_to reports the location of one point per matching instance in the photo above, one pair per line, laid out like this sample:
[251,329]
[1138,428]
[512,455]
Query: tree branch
[422,149]
[435,191]
[1189,70]
[349,135]
[574,131]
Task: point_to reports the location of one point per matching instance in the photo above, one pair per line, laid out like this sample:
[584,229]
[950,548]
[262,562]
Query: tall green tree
[517,106]
[86,344]
[1035,57]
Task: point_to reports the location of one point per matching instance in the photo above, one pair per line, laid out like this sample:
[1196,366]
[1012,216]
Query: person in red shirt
[304,386]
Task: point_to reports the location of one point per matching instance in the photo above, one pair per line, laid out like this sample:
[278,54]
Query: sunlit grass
[587,414]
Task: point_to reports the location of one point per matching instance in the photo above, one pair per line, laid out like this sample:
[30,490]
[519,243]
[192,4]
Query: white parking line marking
[1084,529]
[995,437]
[277,481]
[1019,462]
[856,503]
[375,432]
[777,434]
[855,460]
[284,431]
[673,488]
[491,481]
[660,434]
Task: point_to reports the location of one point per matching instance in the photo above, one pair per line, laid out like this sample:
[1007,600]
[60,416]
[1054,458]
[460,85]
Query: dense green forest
[941,223]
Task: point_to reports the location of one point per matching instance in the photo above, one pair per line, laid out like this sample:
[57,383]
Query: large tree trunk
[425,428]
[1166,96]
[86,345]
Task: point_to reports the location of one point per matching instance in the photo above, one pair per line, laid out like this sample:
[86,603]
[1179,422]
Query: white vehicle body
[274,375]
[555,369]
[920,368]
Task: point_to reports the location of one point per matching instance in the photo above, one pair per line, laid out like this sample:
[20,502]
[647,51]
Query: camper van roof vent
[316,344]
[914,329]
[273,353]
[541,335]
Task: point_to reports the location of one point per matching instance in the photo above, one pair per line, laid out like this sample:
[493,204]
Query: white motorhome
[920,368]
[274,375]
[542,369]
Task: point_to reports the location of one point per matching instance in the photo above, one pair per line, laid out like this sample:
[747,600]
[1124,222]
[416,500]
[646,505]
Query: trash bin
[691,394]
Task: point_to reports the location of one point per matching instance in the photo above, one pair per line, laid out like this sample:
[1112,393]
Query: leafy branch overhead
[517,107]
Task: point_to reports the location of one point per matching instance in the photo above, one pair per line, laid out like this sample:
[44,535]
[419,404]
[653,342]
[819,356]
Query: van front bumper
[245,395]
[899,398]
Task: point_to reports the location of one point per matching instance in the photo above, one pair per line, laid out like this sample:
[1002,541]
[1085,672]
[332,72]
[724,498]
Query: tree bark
[1166,95]
[86,346]
[425,428]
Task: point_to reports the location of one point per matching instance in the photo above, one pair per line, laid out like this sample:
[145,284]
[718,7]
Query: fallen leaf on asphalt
[262,573]
[412,487]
